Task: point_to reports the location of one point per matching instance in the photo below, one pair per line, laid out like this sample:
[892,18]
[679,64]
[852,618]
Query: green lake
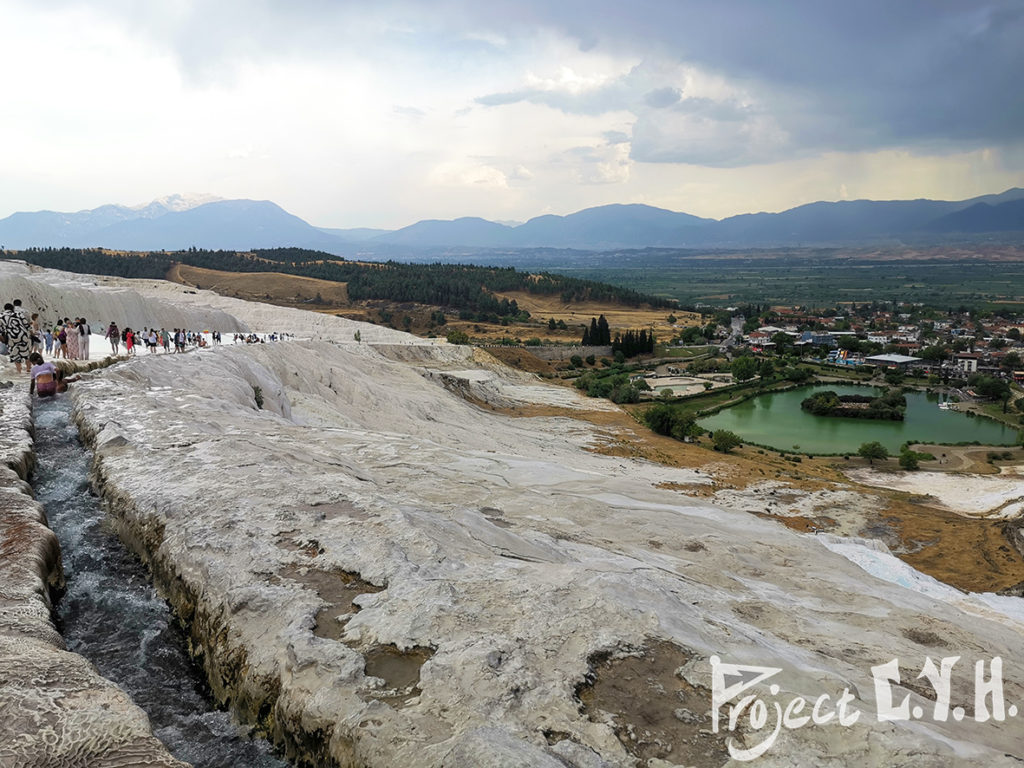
[778,421]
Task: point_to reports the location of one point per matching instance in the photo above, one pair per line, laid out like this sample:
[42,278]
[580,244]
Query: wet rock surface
[55,708]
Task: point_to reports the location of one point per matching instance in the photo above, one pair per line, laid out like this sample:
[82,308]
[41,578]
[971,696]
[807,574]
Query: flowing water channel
[112,615]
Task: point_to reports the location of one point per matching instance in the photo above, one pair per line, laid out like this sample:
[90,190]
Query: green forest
[466,288]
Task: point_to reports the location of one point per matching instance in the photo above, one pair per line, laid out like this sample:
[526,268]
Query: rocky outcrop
[55,708]
[381,573]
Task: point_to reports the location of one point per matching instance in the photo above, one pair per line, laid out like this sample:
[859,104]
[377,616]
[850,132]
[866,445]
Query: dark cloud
[849,76]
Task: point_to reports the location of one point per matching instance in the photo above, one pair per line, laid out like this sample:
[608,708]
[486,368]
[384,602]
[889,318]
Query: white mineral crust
[502,544]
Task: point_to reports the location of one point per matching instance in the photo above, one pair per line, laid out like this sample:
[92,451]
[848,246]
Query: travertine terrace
[382,570]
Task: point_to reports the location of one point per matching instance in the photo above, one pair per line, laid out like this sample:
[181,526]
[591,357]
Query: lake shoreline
[788,429]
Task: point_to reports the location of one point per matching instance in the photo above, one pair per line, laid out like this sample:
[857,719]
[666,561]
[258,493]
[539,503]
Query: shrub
[908,460]
[724,440]
[873,450]
[624,393]
[666,420]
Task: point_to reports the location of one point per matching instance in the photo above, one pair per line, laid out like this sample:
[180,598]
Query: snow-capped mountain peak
[173,204]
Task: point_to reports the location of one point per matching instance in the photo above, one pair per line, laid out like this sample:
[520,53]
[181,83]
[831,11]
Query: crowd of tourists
[155,339]
[27,341]
[22,335]
[23,339]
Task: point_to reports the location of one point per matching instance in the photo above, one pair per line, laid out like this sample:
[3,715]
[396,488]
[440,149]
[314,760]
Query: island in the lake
[890,406]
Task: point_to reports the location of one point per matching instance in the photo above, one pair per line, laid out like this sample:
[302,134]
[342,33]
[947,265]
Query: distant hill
[983,217]
[611,226]
[468,231]
[168,224]
[355,235]
[178,222]
[228,224]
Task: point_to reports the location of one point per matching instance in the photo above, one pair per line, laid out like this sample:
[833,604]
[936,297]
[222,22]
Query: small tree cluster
[666,420]
[598,334]
[873,450]
[633,343]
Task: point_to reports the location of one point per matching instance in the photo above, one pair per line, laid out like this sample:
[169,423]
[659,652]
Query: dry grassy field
[618,316]
[271,287]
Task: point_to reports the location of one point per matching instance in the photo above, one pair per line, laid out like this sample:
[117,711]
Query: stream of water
[112,615]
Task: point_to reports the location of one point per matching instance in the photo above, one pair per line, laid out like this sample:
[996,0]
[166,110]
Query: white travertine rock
[55,294]
[503,546]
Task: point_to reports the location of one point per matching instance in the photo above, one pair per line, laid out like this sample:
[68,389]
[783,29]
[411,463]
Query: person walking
[113,334]
[72,338]
[84,332]
[61,336]
[36,333]
[19,335]
[48,340]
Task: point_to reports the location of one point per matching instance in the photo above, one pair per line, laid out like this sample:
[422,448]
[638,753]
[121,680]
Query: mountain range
[178,222]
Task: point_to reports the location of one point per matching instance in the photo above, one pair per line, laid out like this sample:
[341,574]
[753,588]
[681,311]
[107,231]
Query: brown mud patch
[817,524]
[399,670]
[338,590]
[654,713]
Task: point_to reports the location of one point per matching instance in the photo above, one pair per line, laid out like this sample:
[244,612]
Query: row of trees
[632,343]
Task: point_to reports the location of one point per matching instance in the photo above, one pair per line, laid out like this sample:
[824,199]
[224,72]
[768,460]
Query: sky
[380,114]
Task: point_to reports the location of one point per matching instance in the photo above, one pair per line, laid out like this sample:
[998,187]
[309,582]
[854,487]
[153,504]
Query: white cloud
[468,175]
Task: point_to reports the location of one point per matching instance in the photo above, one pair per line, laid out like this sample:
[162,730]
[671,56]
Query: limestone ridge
[55,708]
[381,573]
[59,294]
